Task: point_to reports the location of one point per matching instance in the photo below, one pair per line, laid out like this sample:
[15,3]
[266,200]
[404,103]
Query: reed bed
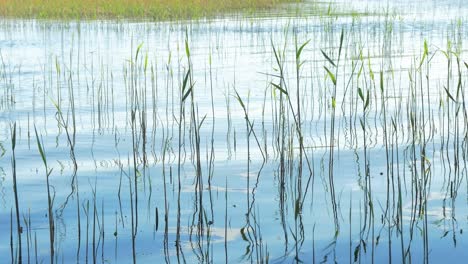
[182,150]
[140,9]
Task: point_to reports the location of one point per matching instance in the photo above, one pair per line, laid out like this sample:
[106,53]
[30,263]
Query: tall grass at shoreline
[149,9]
[320,120]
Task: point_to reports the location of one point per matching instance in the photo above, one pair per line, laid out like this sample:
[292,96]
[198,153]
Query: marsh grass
[385,206]
[15,190]
[150,9]
[50,198]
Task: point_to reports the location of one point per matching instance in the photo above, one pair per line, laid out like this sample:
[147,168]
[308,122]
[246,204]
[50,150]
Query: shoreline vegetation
[128,9]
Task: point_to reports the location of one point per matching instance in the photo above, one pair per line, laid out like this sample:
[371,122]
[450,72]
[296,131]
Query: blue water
[245,211]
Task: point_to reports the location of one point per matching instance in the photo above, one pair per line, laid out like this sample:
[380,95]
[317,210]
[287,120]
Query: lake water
[381,175]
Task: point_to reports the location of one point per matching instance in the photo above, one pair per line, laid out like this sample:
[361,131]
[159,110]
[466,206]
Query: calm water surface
[380,176]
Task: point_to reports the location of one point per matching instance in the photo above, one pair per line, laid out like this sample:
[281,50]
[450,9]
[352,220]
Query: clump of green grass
[147,9]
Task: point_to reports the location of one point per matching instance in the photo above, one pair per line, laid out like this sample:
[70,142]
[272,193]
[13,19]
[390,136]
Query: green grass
[141,9]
